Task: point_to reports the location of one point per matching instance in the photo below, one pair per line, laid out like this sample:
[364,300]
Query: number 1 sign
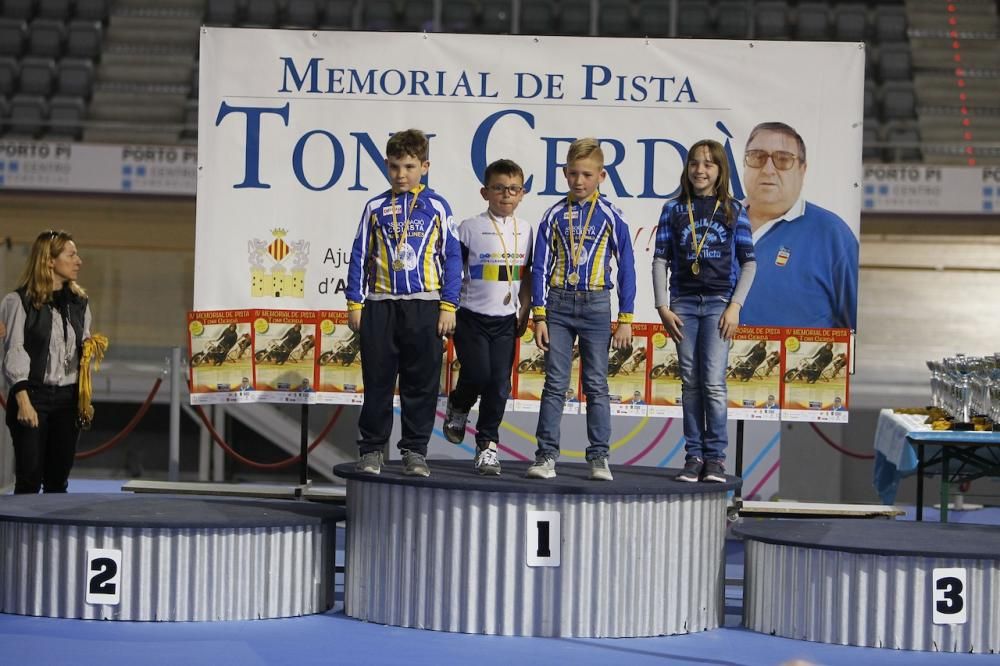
[543,539]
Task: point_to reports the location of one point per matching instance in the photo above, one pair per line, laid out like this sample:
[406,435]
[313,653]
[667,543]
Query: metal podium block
[898,585]
[127,557]
[642,555]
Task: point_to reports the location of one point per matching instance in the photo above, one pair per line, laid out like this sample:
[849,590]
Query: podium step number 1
[544,539]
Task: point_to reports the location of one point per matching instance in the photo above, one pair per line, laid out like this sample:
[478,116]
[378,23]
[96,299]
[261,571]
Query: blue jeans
[570,315]
[702,355]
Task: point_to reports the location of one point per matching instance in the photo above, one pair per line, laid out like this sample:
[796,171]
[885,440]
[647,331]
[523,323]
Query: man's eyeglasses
[513,190]
[782,159]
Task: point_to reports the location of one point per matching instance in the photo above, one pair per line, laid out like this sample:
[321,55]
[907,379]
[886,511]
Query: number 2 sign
[103,576]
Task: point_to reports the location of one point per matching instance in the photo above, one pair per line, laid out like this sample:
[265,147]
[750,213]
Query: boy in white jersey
[493,312]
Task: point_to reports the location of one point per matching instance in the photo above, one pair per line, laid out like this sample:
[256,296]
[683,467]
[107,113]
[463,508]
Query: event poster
[816,367]
[300,356]
[628,370]
[221,361]
[285,354]
[529,378]
[664,376]
[753,374]
[339,352]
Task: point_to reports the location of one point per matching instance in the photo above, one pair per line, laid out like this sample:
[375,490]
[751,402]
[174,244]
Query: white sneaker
[599,470]
[487,462]
[544,467]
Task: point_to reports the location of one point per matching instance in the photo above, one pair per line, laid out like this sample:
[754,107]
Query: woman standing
[47,320]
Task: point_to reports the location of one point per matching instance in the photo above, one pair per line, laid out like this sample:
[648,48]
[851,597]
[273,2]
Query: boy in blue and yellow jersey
[403,285]
[571,298]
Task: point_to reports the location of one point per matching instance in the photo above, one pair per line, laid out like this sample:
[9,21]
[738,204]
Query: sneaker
[415,464]
[487,462]
[714,472]
[454,424]
[544,467]
[599,470]
[692,470]
[370,463]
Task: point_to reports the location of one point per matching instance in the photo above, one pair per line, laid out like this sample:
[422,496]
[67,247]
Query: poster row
[293,356]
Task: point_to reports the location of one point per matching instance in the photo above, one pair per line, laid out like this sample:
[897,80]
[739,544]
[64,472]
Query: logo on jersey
[783,254]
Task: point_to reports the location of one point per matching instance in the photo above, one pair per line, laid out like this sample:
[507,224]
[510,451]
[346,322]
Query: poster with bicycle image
[664,376]
[220,360]
[284,352]
[339,360]
[529,376]
[816,365]
[753,374]
[628,371]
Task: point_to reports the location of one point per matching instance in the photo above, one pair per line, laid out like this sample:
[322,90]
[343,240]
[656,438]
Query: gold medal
[696,245]
[397,264]
[576,250]
[508,257]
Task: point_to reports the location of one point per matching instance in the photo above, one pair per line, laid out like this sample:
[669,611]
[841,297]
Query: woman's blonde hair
[37,278]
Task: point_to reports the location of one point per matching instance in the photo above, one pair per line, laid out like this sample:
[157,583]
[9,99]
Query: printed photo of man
[807,256]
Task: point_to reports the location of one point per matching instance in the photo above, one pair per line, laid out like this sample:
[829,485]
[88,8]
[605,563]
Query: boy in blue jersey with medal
[571,299]
[403,285]
[496,300]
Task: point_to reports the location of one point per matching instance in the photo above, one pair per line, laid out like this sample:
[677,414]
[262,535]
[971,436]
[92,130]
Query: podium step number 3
[103,579]
[949,596]
[544,539]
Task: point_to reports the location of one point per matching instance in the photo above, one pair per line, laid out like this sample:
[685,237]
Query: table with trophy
[956,437]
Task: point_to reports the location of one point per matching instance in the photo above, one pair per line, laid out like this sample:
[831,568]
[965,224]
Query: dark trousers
[43,456]
[485,348]
[399,338]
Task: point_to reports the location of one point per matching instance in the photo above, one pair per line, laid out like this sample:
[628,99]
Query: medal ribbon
[694,234]
[576,250]
[508,260]
[401,236]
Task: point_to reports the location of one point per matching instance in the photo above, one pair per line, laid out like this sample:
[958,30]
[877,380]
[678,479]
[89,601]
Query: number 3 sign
[103,576]
[949,596]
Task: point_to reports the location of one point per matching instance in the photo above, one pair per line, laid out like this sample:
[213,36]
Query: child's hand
[354,320]
[542,335]
[622,339]
[671,322]
[446,323]
[522,320]
[729,321]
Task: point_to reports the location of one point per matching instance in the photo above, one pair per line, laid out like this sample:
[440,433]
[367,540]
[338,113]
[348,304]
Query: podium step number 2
[103,579]
[949,596]
[544,539]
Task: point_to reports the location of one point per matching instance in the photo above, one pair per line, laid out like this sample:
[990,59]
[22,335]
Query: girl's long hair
[37,277]
[718,156]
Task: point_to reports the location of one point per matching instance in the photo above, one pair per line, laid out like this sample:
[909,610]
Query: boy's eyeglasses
[513,190]
[781,159]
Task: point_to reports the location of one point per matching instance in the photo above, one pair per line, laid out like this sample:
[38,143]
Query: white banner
[293,125]
[918,188]
[81,167]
